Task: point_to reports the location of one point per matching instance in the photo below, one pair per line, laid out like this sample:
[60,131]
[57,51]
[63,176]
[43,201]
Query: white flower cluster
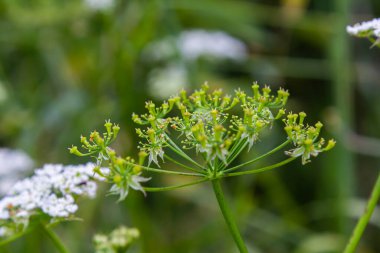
[13,164]
[99,4]
[365,29]
[51,190]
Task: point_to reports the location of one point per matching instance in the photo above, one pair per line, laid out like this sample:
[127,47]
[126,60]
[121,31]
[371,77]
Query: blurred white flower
[196,43]
[118,240]
[3,92]
[13,165]
[99,4]
[164,82]
[193,44]
[365,29]
[51,190]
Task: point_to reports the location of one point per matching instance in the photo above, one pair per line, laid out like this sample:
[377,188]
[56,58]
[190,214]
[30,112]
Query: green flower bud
[98,171]
[202,139]
[74,150]
[151,135]
[151,107]
[241,95]
[108,126]
[136,169]
[115,130]
[84,141]
[280,113]
[205,87]
[302,117]
[256,92]
[308,142]
[117,179]
[214,114]
[142,156]
[318,125]
[119,161]
[218,130]
[288,130]
[136,119]
[330,145]
[266,91]
[139,132]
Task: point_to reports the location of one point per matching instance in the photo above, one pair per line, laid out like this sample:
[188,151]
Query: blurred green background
[66,66]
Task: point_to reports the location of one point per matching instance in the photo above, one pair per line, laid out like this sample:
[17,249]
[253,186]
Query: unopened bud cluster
[122,173]
[207,122]
[215,126]
[305,137]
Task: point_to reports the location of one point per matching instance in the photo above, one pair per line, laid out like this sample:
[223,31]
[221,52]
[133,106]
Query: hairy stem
[228,216]
[55,239]
[364,219]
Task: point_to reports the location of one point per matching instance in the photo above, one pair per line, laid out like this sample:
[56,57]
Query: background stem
[364,219]
[228,216]
[55,239]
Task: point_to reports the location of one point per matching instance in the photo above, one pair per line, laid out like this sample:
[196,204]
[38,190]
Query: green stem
[13,238]
[228,216]
[260,157]
[364,219]
[55,239]
[270,167]
[168,188]
[183,165]
[167,171]
[235,151]
[180,152]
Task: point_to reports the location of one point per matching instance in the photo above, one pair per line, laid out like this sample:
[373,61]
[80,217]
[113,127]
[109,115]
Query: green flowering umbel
[203,133]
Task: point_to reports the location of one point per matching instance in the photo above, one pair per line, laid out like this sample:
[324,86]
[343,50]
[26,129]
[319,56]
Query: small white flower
[135,182]
[365,29]
[154,153]
[132,181]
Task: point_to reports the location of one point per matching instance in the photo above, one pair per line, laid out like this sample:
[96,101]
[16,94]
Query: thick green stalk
[364,219]
[228,216]
[55,239]
[338,172]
